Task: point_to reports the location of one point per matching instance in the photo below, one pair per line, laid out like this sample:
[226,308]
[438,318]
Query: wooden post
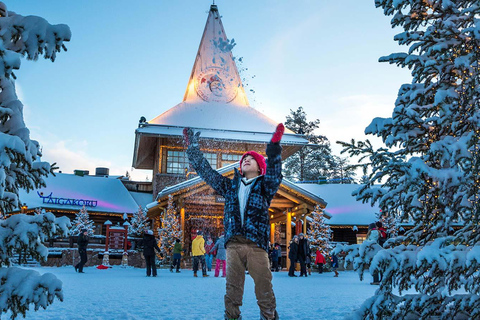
[182,223]
[107,238]
[305,225]
[272,233]
[289,234]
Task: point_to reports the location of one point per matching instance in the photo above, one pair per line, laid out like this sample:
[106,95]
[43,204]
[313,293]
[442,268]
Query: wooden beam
[289,196]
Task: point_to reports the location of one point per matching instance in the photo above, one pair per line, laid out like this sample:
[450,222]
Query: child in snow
[177,256]
[209,253]
[246,219]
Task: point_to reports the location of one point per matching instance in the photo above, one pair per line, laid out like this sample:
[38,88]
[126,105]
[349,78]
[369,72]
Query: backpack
[383,236]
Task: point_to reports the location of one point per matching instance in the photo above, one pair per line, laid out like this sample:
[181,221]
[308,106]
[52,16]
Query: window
[230,158]
[361,238]
[177,161]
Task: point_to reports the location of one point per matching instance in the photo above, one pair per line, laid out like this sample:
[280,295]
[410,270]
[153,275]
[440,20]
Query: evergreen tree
[319,233]
[82,221]
[341,172]
[30,37]
[429,169]
[138,223]
[311,161]
[170,229]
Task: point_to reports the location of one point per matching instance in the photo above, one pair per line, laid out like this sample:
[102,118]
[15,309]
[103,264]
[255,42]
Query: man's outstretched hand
[190,138]
[277,135]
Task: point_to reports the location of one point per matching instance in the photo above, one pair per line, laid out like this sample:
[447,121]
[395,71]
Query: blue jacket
[256,225]
[220,247]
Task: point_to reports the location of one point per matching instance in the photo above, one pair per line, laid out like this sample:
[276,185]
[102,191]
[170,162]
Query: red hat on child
[258,158]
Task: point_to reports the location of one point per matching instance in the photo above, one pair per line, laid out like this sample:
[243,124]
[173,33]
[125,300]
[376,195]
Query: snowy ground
[124,294]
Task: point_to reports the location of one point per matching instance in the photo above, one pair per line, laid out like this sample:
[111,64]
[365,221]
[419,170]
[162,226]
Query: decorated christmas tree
[170,229]
[319,233]
[138,223]
[31,37]
[82,221]
[429,169]
[390,222]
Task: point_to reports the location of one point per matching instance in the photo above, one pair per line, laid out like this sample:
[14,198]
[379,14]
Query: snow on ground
[127,294]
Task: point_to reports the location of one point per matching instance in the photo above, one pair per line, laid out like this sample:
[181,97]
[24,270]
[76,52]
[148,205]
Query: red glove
[277,135]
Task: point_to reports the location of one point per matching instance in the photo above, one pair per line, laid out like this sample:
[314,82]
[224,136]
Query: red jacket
[319,258]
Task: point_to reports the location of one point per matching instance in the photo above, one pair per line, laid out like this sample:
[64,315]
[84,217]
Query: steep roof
[215,97]
[214,100]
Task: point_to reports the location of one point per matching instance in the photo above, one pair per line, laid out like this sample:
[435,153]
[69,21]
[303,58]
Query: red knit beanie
[258,158]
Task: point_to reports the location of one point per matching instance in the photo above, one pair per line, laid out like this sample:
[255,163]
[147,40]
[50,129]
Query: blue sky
[130,59]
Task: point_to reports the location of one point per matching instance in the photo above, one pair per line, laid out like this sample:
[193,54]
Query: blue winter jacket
[256,225]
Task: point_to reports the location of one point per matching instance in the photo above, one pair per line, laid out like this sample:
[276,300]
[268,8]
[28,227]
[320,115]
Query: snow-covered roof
[220,134]
[70,192]
[342,206]
[141,198]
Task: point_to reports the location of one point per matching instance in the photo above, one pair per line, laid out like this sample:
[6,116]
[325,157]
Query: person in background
[303,254]
[274,257]
[279,254]
[82,243]
[177,256]
[319,260]
[209,253]
[221,256]
[293,255]
[334,261]
[149,247]
[198,251]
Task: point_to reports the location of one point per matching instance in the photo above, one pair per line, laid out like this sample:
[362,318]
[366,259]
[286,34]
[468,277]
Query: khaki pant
[244,254]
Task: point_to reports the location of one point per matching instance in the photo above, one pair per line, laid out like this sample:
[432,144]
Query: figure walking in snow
[209,253]
[177,256]
[198,251]
[82,243]
[149,247]
[293,255]
[334,261]
[221,257]
[320,261]
[247,224]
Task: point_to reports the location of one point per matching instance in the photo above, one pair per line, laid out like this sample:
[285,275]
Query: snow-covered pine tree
[432,173]
[82,221]
[20,287]
[31,37]
[138,223]
[312,161]
[170,229]
[319,233]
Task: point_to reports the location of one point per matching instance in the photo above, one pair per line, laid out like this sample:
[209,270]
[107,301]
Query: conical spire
[214,75]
